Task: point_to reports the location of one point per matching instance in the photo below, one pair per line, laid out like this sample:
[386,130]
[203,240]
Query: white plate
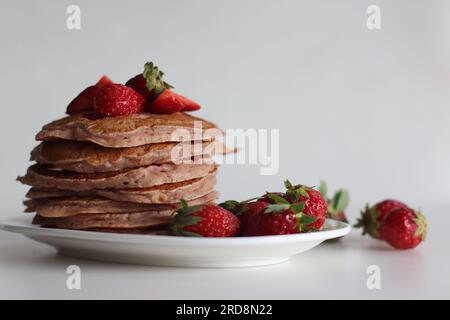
[176,251]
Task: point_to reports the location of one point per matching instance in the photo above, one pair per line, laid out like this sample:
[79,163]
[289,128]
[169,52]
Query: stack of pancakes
[119,174]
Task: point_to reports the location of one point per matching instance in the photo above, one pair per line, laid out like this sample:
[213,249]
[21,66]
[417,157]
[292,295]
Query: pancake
[142,177]
[127,131]
[132,220]
[70,206]
[162,194]
[88,157]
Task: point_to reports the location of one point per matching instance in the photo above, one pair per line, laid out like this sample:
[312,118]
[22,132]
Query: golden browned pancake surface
[124,131]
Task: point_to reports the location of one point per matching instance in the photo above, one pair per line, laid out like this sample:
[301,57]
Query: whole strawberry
[244,209]
[117,100]
[371,217]
[403,228]
[205,221]
[150,83]
[139,84]
[314,204]
[278,218]
[251,209]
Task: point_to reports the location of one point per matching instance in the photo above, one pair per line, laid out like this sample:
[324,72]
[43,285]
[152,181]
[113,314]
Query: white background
[367,110]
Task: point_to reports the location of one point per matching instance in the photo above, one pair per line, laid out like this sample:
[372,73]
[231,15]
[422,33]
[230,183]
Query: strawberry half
[103,81]
[85,100]
[171,102]
[117,100]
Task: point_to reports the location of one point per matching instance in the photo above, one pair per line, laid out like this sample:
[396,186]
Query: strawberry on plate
[403,228]
[280,217]
[205,221]
[314,204]
[85,100]
[117,100]
[244,209]
[371,217]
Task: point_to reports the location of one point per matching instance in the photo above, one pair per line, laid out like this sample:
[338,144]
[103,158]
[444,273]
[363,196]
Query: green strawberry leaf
[287,184]
[184,204]
[302,191]
[340,200]
[298,207]
[275,208]
[305,219]
[323,189]
[276,198]
[230,205]
[154,79]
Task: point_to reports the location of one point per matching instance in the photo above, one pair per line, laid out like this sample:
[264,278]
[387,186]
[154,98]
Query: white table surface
[338,270]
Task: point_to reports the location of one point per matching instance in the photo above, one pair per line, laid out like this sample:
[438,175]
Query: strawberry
[403,228]
[337,204]
[279,218]
[139,84]
[371,217]
[150,83]
[189,105]
[85,100]
[314,204]
[103,81]
[270,223]
[244,209]
[159,97]
[171,102]
[205,221]
[251,209]
[117,100]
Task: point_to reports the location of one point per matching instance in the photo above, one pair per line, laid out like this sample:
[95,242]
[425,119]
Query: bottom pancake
[69,206]
[134,220]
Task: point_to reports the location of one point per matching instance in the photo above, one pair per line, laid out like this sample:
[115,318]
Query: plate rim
[23,225]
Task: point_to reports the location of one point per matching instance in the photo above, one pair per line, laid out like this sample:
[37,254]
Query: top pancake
[126,131]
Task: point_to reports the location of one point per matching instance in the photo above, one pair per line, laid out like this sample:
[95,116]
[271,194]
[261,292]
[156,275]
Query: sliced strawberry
[117,100]
[166,103]
[84,101]
[104,81]
[189,105]
[171,102]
